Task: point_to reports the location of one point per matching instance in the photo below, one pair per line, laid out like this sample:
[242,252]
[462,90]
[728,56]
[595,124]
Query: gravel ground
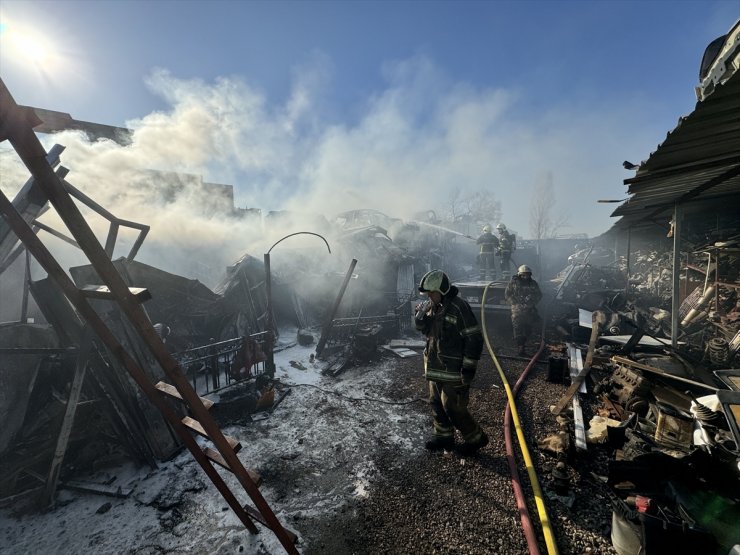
[444,503]
[348,475]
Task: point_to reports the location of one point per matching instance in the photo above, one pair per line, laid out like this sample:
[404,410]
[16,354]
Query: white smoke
[419,139]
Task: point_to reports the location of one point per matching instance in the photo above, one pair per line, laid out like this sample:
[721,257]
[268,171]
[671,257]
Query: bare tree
[474,206]
[545,220]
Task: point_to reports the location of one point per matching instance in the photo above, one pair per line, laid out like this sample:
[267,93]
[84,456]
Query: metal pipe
[269,324]
[675,304]
[327,325]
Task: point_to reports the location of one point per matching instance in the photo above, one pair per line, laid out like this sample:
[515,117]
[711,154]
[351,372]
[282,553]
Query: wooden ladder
[16,125]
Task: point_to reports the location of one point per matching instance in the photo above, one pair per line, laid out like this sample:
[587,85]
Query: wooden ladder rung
[196,426]
[216,457]
[256,515]
[102,292]
[171,390]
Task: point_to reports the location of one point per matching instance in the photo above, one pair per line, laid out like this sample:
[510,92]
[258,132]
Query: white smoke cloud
[419,139]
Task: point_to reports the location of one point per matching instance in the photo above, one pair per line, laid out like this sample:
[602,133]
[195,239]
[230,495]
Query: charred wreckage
[642,329]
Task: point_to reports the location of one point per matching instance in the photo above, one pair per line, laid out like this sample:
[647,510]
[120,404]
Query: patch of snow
[314,453]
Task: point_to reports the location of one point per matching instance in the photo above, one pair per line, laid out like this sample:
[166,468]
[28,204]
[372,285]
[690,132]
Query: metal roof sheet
[698,162]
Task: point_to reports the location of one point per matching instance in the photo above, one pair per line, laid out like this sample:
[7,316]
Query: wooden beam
[69,415]
[171,391]
[102,292]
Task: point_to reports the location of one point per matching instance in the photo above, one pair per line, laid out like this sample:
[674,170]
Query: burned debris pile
[119,360]
[664,405]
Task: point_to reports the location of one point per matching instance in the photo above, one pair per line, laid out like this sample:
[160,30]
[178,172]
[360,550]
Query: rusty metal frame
[115,222]
[16,125]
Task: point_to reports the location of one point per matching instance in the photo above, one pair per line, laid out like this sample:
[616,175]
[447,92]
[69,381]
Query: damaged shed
[668,395]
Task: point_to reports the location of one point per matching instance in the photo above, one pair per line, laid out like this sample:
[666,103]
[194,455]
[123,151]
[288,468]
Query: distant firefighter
[523,294]
[507,245]
[454,342]
[489,244]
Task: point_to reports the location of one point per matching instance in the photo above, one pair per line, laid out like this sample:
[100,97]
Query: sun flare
[28,47]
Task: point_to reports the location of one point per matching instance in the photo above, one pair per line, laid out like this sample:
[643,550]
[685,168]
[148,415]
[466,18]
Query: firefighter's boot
[439,443]
[467,449]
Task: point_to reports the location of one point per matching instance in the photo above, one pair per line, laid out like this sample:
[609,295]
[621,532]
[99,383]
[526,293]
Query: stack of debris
[671,425]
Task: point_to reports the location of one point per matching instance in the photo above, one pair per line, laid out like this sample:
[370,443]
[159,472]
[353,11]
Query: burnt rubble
[668,417]
[662,418]
[639,420]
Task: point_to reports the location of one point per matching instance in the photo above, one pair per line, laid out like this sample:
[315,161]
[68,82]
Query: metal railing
[395,322]
[210,367]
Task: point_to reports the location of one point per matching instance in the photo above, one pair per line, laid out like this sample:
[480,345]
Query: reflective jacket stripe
[441,376]
[471,330]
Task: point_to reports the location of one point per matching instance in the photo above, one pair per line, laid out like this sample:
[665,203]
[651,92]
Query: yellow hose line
[552,547]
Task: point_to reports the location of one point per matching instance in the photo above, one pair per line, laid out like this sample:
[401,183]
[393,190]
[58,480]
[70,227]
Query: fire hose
[511,413]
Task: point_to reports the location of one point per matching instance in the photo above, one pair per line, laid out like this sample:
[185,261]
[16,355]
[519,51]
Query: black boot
[439,443]
[472,448]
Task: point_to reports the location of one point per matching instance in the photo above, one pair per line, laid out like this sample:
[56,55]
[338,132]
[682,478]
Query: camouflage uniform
[507,245]
[454,345]
[523,294]
[488,245]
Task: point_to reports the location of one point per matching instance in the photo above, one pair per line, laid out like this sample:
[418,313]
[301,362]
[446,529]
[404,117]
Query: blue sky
[330,106]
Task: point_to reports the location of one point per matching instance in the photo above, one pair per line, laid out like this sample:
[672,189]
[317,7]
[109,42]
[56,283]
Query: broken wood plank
[196,426]
[11,499]
[101,489]
[171,391]
[598,318]
[572,389]
[216,457]
[69,414]
[401,352]
[102,292]
[280,400]
[408,343]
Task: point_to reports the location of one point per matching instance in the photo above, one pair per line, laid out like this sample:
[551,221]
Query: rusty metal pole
[268,318]
[327,325]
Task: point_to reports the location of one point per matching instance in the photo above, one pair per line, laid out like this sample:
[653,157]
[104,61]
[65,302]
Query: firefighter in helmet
[489,244]
[454,343]
[507,245]
[523,293]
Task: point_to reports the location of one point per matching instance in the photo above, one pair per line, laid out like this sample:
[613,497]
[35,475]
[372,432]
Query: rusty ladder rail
[16,125]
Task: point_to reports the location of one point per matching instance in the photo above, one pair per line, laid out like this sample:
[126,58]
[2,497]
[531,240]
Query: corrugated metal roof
[698,162]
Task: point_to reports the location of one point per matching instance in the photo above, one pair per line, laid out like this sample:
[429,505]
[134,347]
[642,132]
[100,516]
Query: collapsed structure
[653,303]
